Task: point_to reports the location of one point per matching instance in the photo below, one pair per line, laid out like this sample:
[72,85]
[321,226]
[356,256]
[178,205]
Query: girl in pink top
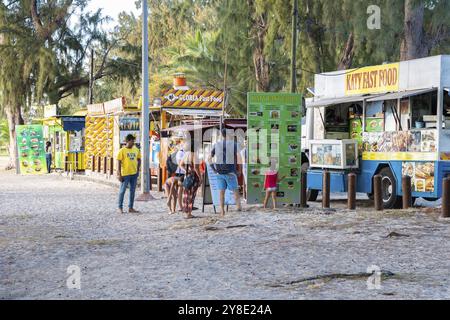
[271,184]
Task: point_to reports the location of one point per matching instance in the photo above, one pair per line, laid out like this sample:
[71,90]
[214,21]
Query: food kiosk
[392,120]
[66,133]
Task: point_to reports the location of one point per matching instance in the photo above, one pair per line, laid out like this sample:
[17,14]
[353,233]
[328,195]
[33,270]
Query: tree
[42,57]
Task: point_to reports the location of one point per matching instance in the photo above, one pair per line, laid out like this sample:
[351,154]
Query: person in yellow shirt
[129,164]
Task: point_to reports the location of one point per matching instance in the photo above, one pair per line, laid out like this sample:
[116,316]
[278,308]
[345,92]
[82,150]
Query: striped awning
[193,99]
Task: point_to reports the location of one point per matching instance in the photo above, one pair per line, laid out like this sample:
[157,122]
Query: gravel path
[50,223]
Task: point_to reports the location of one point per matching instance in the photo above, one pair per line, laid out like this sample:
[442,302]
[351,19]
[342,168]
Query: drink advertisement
[31,149]
[130,126]
[274,139]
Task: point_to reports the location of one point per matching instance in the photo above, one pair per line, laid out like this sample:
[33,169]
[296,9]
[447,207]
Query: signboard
[376,79]
[95,109]
[31,149]
[422,175]
[274,122]
[114,106]
[128,126]
[50,111]
[193,99]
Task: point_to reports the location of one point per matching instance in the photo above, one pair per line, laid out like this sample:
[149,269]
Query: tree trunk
[414,44]
[14,118]
[262,68]
[349,53]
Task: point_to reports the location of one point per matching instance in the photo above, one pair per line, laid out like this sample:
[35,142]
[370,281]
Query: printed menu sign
[274,122]
[422,175]
[31,149]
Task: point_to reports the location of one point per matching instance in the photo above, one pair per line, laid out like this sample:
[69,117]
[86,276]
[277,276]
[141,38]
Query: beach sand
[49,223]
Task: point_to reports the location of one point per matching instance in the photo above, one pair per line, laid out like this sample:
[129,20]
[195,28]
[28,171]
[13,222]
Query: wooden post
[111,166]
[105,165]
[446,198]
[160,184]
[66,163]
[407,196]
[352,191]
[378,194]
[326,190]
[93,163]
[304,194]
[99,164]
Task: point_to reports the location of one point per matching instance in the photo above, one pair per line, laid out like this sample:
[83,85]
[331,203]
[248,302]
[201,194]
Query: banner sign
[376,79]
[50,111]
[193,99]
[274,122]
[114,106]
[95,109]
[31,149]
[128,126]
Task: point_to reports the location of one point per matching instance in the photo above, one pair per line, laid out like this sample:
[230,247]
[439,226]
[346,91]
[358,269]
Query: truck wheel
[310,193]
[389,190]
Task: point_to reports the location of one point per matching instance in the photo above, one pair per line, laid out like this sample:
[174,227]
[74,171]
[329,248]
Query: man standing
[129,164]
[225,165]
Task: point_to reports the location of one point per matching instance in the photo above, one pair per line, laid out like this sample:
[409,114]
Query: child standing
[271,184]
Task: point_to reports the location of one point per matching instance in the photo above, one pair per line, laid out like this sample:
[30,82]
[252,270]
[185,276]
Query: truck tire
[310,193]
[389,190]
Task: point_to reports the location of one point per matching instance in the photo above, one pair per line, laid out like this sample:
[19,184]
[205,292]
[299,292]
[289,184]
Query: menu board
[274,136]
[31,149]
[400,141]
[422,175]
[128,126]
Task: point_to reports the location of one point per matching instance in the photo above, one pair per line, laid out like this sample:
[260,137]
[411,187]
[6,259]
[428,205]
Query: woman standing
[191,183]
[48,156]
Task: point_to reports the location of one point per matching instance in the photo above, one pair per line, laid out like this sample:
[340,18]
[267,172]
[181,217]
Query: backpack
[224,168]
[191,179]
[171,164]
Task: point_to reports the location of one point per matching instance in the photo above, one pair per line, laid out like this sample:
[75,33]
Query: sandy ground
[50,223]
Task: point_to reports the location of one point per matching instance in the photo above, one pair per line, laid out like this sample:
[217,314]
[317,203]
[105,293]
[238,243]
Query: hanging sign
[376,79]
[193,99]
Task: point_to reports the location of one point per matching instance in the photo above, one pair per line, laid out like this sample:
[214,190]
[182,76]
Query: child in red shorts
[271,184]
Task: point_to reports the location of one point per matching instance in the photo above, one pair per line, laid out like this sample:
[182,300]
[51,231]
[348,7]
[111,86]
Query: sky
[112,8]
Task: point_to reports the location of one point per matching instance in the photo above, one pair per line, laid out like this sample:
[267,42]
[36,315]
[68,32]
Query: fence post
[105,165]
[326,190]
[352,191]
[93,163]
[446,198]
[304,194]
[378,194]
[111,166]
[99,163]
[407,196]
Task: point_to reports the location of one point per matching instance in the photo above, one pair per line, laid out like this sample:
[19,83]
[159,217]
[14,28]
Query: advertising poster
[31,149]
[422,175]
[130,126]
[212,192]
[274,122]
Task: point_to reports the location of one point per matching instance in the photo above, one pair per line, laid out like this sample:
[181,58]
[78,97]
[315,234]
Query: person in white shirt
[180,174]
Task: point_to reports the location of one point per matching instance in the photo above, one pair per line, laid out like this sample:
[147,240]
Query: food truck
[392,120]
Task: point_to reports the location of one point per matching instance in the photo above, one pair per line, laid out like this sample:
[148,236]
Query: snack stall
[66,133]
[392,120]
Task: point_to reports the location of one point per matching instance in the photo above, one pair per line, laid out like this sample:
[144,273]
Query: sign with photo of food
[274,122]
[31,149]
[422,175]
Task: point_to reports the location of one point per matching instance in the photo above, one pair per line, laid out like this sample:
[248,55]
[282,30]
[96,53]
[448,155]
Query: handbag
[190,180]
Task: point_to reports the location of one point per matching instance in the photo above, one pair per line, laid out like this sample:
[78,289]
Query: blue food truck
[392,120]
